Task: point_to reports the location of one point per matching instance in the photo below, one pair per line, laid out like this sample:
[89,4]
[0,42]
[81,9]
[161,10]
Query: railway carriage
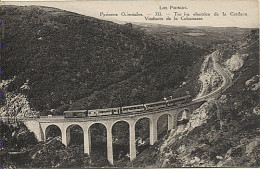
[179,100]
[75,113]
[92,113]
[128,109]
[155,105]
[104,112]
[116,110]
[108,111]
[134,108]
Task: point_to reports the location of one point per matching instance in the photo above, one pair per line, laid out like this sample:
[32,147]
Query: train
[167,102]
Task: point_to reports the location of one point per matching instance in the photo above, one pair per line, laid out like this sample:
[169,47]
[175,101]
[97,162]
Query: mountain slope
[78,62]
[226,132]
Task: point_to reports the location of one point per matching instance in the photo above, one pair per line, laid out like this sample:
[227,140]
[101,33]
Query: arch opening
[142,134]
[183,117]
[75,135]
[163,123]
[98,144]
[52,131]
[120,134]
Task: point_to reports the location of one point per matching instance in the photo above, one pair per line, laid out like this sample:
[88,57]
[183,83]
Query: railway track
[227,82]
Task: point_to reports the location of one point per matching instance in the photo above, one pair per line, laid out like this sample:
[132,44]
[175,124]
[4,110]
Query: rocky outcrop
[235,62]
[198,118]
[209,75]
[16,104]
[253,83]
[241,155]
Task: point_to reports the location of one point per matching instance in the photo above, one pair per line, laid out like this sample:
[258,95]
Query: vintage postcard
[129,84]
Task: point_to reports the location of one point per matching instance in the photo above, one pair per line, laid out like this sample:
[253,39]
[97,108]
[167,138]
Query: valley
[55,60]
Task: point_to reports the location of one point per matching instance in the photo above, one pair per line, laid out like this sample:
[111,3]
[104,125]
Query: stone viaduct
[40,125]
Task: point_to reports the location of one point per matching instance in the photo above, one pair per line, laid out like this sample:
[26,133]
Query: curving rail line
[227,82]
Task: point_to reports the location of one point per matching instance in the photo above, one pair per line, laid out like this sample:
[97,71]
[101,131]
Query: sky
[249,9]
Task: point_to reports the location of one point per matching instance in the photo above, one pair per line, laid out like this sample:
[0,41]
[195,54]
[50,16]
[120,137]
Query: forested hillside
[77,62]
[71,61]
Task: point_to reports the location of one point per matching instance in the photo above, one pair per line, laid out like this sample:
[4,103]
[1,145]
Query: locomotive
[127,109]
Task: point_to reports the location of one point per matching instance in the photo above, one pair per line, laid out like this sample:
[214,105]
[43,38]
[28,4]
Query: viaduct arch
[139,126]
[52,130]
[68,132]
[40,126]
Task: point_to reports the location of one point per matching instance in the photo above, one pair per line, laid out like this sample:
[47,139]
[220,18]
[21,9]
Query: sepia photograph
[129,84]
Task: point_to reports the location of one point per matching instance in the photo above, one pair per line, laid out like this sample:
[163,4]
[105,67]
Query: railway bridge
[40,126]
